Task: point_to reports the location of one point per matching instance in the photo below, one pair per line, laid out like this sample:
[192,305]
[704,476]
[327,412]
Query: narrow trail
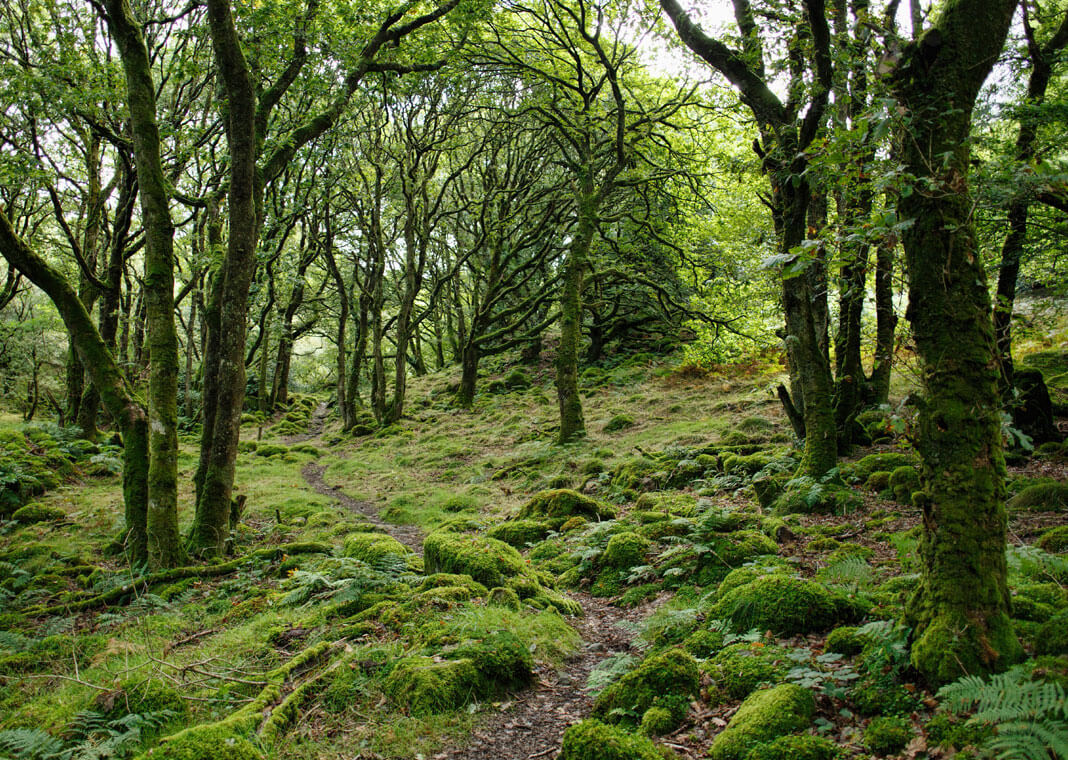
[315,426]
[409,535]
[531,724]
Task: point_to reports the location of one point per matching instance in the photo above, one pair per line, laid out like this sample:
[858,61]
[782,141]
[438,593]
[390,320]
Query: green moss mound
[805,496]
[503,597]
[502,660]
[594,740]
[888,736]
[211,742]
[904,482]
[619,422]
[666,680]
[564,503]
[35,513]
[1041,497]
[520,533]
[795,747]
[371,547]
[844,640]
[625,550]
[144,696]
[763,717]
[487,560]
[783,604]
[739,669]
[1052,637]
[1054,540]
[885,461]
[658,721]
[424,686]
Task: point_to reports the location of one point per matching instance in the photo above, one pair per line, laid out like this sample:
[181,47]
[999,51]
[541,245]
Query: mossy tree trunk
[572,422]
[960,608]
[885,324]
[164,546]
[129,414]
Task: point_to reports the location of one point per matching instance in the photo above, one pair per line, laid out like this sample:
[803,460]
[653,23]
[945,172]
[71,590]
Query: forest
[577,379]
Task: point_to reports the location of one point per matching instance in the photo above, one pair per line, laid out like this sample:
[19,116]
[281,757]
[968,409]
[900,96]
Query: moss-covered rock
[625,550]
[795,747]
[763,717]
[141,696]
[486,560]
[904,482]
[572,524]
[746,574]
[423,685]
[844,640]
[517,380]
[878,481]
[738,669]
[1041,497]
[35,513]
[1054,540]
[211,742]
[884,461]
[785,605]
[520,533]
[502,660]
[888,735]
[565,503]
[503,597]
[736,548]
[1052,637]
[619,422]
[594,740]
[668,680]
[658,721]
[452,580]
[371,547]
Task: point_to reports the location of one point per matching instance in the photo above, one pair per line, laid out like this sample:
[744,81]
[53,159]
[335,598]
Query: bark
[465,396]
[960,609]
[115,394]
[885,323]
[572,422]
[164,546]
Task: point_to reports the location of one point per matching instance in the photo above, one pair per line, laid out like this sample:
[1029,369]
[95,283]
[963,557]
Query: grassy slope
[215,635]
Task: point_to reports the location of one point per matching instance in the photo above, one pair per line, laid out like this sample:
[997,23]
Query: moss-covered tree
[960,608]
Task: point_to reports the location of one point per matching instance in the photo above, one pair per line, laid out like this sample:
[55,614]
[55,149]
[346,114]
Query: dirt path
[409,535]
[533,722]
[315,426]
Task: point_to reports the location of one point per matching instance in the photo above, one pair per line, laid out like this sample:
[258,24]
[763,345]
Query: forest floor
[370,648]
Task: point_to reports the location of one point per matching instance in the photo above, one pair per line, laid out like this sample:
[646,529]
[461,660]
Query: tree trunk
[572,423]
[960,608]
[115,394]
[885,323]
[468,375]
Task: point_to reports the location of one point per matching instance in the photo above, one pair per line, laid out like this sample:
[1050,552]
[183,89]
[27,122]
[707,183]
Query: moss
[625,550]
[452,580]
[844,640]
[639,474]
[516,380]
[142,696]
[741,546]
[795,747]
[674,503]
[871,697]
[878,481]
[658,721]
[619,422]
[1054,540]
[661,676]
[423,685]
[887,736]
[211,742]
[763,717]
[849,550]
[502,660]
[520,533]
[886,461]
[270,450]
[503,597]
[486,560]
[565,503]
[637,595]
[740,668]
[35,513]
[904,482]
[702,643]
[951,646]
[573,524]
[1053,636]
[1041,497]
[804,496]
[370,547]
[594,740]
[949,731]
[783,604]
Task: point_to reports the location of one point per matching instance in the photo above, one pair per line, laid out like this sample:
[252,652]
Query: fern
[29,744]
[1030,718]
[853,573]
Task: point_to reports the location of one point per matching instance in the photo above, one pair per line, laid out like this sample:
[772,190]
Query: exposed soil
[315,426]
[533,723]
[409,535]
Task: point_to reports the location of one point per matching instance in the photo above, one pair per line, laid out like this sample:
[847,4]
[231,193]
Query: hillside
[457,586]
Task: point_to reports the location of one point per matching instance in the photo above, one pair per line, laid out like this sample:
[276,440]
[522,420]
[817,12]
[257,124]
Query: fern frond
[28,744]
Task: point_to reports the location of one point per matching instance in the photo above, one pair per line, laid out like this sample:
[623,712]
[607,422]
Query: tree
[960,608]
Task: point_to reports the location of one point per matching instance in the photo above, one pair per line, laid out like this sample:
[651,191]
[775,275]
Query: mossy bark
[960,608]
[164,546]
[115,394]
[572,422]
